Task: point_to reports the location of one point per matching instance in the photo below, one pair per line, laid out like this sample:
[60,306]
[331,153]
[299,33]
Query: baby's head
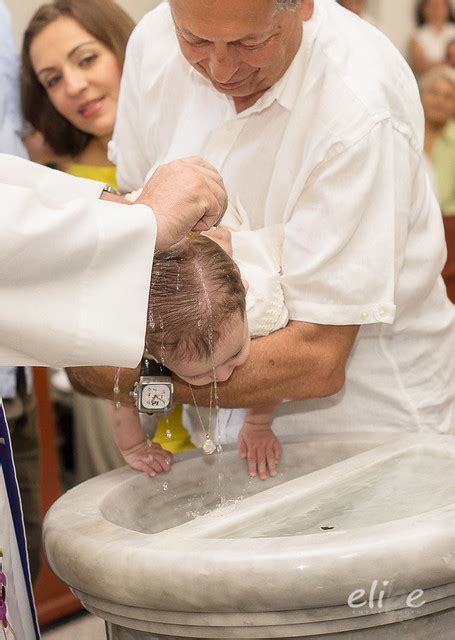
[197,322]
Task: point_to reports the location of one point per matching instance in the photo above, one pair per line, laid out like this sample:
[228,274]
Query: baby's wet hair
[195,289]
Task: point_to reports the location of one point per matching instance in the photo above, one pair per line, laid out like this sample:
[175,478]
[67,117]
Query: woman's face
[439,101]
[80,74]
[436,11]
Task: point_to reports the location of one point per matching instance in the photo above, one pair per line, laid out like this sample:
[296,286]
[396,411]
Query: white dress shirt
[74,271]
[329,161]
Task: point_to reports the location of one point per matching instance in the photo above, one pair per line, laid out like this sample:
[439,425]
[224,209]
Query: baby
[198,328]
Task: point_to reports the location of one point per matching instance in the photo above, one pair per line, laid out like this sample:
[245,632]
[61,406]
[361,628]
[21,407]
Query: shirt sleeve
[344,242]
[75,270]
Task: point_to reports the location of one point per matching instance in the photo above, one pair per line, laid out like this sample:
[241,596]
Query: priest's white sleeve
[74,270]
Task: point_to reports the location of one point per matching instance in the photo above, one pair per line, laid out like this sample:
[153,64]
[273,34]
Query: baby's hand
[151,459]
[261,448]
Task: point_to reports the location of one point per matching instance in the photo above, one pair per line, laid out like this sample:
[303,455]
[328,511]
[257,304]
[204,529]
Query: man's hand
[185,195]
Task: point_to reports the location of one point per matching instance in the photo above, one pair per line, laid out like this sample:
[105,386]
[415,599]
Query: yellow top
[170,433]
[102,174]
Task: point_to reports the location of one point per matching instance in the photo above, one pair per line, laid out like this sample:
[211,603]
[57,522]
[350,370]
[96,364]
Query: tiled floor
[85,627]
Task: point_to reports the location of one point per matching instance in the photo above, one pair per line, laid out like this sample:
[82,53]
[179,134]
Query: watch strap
[150,367]
[108,189]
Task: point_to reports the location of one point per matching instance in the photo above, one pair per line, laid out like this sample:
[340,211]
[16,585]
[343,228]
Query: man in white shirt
[314,120]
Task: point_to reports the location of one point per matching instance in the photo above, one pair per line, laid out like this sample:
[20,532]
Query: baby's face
[230,352]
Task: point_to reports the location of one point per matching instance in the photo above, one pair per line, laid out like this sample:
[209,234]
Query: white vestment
[74,270]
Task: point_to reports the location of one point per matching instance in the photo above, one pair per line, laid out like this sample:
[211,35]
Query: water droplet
[165,486]
[117,389]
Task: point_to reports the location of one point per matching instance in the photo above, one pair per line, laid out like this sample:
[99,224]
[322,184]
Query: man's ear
[306,9]
[245,285]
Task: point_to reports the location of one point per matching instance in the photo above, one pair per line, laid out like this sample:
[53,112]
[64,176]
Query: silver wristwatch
[108,189]
[155,391]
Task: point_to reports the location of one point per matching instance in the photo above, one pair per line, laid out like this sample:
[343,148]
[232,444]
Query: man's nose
[223,63]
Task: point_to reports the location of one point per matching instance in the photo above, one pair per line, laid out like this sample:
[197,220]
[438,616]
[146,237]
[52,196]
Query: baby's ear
[246,285]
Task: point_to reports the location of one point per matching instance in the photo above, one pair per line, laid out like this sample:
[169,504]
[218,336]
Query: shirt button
[364,315]
[383,312]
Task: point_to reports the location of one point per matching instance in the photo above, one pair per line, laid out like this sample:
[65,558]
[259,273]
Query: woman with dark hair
[72,59]
[436,28]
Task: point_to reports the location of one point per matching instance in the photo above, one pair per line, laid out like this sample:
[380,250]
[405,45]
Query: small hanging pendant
[209,446]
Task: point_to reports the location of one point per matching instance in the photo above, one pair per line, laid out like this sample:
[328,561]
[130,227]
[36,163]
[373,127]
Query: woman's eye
[51,82]
[85,62]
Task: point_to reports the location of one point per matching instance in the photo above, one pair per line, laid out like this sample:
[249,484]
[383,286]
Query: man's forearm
[100,381]
[301,361]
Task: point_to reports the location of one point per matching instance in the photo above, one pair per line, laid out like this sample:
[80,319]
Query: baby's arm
[130,439]
[257,442]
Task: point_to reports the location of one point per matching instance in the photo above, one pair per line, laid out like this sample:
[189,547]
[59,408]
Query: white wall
[395,17]
[22,11]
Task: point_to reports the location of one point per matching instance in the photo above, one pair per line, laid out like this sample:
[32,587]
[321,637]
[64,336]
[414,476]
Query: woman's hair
[420,9]
[195,289]
[106,22]
[441,72]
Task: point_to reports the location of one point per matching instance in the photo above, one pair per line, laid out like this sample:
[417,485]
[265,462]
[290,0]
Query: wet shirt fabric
[330,159]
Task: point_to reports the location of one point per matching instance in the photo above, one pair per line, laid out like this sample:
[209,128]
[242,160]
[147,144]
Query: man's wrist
[113,196]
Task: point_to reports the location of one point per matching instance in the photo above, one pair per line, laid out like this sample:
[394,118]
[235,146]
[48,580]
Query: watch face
[156,397]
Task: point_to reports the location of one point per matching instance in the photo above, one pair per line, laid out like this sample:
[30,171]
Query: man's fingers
[200,162]
[210,212]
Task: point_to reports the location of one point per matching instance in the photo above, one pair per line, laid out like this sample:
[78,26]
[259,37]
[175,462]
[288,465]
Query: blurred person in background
[72,59]
[437,88]
[450,53]
[435,29]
